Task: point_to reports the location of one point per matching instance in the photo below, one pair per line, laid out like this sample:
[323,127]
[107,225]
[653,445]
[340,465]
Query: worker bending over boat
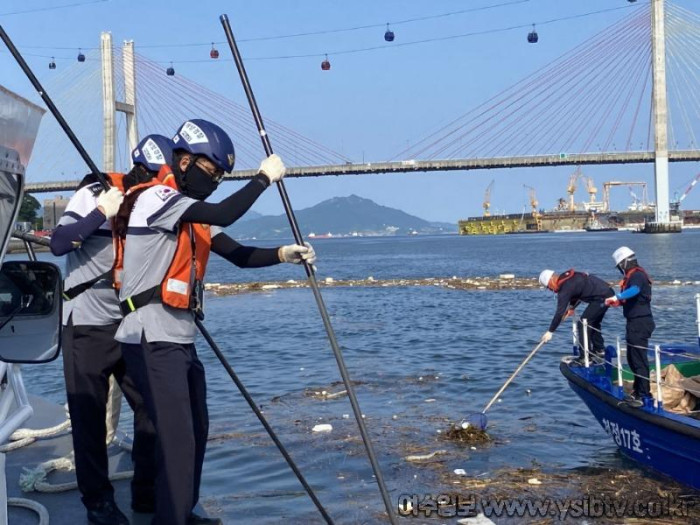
[91,355]
[635,298]
[169,233]
[572,288]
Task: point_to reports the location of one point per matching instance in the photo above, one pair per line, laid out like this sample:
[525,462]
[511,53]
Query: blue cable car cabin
[389,34]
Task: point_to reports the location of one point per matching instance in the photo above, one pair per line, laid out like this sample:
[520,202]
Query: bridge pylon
[110,105]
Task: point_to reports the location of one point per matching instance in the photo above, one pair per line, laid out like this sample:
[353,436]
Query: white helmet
[545,277]
[622,253]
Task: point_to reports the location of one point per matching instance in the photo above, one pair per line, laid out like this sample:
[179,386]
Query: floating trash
[425,457]
[534,481]
[468,435]
[323,427]
[460,472]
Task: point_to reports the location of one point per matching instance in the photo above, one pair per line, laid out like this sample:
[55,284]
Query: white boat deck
[65,508]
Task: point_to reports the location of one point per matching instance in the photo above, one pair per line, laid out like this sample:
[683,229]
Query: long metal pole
[310,273]
[54,110]
[512,376]
[262,419]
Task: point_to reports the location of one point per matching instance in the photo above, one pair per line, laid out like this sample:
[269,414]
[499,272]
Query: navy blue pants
[171,378]
[594,314]
[90,356]
[637,335]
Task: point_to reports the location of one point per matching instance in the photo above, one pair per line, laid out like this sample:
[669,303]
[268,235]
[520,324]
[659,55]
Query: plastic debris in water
[534,481]
[465,425]
[323,427]
[460,472]
[425,457]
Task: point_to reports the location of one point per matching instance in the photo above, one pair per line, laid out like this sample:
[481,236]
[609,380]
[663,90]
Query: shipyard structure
[589,215]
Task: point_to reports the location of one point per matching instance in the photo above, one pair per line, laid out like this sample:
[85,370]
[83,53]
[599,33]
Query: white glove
[295,254]
[273,168]
[108,202]
[546,337]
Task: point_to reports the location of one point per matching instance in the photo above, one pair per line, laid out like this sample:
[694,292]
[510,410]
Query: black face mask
[196,183]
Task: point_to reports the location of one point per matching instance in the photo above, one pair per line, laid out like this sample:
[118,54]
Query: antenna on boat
[309,271]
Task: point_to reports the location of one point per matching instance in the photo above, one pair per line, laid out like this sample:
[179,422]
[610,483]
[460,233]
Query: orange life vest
[624,283]
[568,274]
[117,180]
[189,261]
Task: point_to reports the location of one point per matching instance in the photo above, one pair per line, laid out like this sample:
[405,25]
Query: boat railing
[582,343]
[14,396]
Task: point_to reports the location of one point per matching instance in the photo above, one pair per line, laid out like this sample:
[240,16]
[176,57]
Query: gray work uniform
[99,304]
[150,245]
[91,356]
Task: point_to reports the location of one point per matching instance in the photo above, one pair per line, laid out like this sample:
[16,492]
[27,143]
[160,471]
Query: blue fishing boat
[665,441]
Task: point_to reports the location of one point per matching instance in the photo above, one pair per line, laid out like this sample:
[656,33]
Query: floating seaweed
[467,434]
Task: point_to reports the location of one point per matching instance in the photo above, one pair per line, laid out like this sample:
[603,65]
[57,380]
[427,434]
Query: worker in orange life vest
[169,232]
[572,288]
[635,298]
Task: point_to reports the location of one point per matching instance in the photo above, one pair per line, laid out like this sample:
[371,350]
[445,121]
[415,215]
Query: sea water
[421,357]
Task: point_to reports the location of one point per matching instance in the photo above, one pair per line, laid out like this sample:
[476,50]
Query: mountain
[339,216]
[250,215]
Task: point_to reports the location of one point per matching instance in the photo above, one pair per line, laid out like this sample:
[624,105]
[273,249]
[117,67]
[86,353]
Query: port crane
[676,203]
[571,187]
[487,199]
[533,199]
[639,205]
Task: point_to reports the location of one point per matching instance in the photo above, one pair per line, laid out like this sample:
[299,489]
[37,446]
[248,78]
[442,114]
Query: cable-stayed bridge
[629,94]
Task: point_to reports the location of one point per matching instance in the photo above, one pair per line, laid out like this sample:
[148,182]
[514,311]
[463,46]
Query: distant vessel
[596,226]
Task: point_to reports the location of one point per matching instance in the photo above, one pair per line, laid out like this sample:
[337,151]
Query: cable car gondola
[325,65]
[532,36]
[170,71]
[52,64]
[81,57]
[214,53]
[389,35]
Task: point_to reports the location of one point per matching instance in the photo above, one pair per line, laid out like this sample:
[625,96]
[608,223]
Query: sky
[371,104]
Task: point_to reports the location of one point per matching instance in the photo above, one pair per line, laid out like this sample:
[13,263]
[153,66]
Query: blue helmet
[201,137]
[153,152]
